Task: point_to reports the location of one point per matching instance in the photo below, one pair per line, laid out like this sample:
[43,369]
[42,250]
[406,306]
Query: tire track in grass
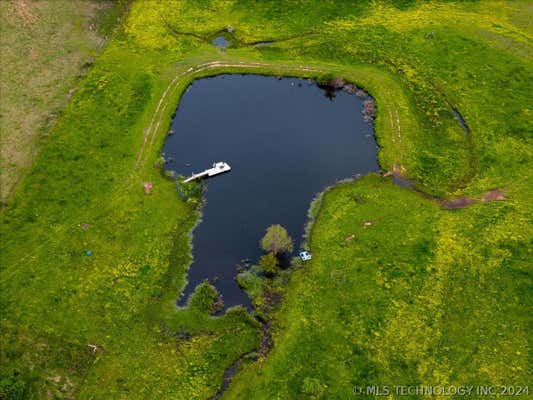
[152,129]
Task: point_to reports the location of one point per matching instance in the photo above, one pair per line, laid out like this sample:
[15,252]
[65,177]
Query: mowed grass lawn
[418,295]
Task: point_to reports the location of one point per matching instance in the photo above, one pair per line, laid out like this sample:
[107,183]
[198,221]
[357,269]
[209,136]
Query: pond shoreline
[331,88]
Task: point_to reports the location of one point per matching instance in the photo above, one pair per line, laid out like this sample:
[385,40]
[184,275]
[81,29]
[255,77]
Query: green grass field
[419,295]
[47,46]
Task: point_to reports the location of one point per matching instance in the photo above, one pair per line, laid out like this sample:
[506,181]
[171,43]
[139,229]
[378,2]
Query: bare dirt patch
[23,9]
[493,195]
[461,202]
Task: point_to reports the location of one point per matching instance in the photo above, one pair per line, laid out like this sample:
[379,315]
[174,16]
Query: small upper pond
[285,139]
[220,41]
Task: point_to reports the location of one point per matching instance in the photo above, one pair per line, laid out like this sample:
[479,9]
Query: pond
[285,140]
[221,41]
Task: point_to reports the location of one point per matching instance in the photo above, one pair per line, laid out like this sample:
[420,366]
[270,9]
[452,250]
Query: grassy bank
[421,295]
[400,292]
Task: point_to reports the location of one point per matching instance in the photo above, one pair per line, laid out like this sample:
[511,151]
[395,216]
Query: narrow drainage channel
[266,344]
[461,120]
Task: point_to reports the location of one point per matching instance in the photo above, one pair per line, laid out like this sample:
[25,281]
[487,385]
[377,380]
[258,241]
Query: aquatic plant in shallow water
[190,192]
[369,110]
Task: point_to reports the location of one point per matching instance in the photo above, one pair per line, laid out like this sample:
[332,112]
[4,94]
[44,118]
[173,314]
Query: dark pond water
[220,41]
[461,120]
[285,141]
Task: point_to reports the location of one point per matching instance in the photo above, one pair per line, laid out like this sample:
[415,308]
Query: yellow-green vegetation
[399,291]
[46,46]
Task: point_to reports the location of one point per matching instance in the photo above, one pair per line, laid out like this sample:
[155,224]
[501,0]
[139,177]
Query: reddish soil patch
[493,195]
[24,12]
[350,238]
[460,202]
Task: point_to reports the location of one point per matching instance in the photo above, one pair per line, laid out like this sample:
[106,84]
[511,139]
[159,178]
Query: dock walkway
[218,168]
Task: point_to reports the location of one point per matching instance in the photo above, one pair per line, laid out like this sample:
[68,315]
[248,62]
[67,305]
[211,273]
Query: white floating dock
[218,168]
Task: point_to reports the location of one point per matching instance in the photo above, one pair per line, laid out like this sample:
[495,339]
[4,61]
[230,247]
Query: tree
[269,263]
[276,240]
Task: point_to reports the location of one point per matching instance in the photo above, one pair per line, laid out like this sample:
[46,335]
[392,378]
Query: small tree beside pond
[269,264]
[260,281]
[276,240]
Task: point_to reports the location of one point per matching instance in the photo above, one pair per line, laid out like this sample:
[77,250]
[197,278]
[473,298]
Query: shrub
[12,387]
[269,264]
[204,297]
[190,192]
[253,284]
